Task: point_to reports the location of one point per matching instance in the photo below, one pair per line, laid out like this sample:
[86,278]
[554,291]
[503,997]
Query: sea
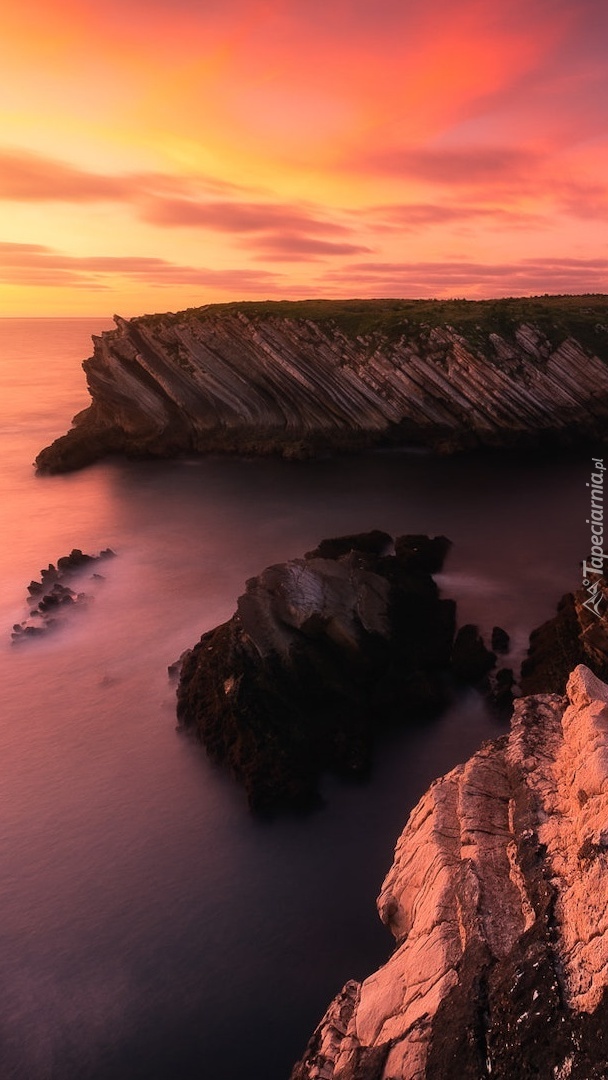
[150,927]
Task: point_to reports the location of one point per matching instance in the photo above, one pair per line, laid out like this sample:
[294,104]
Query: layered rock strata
[497,902]
[239,378]
[322,653]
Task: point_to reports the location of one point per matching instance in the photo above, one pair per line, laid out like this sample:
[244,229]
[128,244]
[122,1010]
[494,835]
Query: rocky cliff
[301,377]
[497,902]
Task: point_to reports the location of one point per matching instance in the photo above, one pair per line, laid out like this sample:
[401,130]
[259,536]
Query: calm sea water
[149,927]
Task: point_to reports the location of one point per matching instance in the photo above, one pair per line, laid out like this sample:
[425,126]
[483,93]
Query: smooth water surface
[150,927]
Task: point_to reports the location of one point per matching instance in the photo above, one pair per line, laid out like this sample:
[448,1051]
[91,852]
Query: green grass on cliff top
[582,317]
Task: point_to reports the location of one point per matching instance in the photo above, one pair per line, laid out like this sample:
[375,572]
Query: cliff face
[239,378]
[497,902]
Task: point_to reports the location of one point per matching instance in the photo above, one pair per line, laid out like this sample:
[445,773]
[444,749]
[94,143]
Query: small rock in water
[471,660]
[54,595]
[74,560]
[500,640]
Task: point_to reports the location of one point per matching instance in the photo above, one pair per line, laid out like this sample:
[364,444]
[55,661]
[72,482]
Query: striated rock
[302,377]
[322,653]
[496,900]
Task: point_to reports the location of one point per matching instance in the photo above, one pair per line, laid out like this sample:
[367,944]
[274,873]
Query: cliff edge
[297,378]
[497,902]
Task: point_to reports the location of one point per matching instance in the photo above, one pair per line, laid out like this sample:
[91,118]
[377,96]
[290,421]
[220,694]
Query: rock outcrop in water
[303,377]
[322,653]
[52,598]
[497,902]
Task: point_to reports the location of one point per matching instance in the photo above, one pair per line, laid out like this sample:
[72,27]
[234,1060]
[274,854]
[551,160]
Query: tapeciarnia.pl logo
[595,567]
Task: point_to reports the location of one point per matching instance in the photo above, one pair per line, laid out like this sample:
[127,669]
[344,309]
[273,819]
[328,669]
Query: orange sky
[155,156]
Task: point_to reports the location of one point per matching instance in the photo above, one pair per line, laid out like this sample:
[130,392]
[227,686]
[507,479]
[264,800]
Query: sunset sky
[156,156]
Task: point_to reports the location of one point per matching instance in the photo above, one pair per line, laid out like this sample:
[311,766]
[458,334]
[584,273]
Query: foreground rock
[322,653]
[52,598]
[302,377]
[497,902]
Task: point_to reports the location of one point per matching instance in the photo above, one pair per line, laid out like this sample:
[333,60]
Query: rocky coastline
[496,901]
[495,897]
[306,377]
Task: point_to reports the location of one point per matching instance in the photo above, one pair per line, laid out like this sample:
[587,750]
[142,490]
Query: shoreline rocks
[283,379]
[577,634]
[321,655]
[496,901]
[51,598]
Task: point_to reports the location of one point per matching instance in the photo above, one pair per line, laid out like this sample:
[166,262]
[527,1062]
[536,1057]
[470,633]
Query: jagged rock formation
[497,902]
[321,654]
[298,378]
[51,598]
[577,634]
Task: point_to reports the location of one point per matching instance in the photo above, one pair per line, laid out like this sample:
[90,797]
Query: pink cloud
[33,264]
[292,247]
[460,277]
[27,177]
[169,201]
[235,217]
[413,215]
[467,165]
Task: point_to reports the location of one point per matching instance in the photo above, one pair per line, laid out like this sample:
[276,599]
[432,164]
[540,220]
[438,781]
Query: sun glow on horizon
[157,157]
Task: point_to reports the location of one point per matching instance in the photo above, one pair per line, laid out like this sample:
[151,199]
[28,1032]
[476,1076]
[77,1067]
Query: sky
[156,156]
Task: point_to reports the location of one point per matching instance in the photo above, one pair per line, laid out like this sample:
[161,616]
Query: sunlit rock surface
[497,901]
[305,377]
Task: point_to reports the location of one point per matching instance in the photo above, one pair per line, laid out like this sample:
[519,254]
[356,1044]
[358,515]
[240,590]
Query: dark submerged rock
[503,682]
[500,640]
[54,596]
[471,660]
